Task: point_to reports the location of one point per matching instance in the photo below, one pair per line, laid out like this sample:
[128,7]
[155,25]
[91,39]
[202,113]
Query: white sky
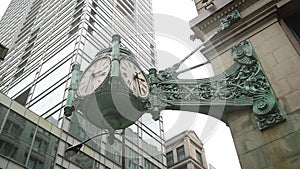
[219,148]
[3,6]
[215,135]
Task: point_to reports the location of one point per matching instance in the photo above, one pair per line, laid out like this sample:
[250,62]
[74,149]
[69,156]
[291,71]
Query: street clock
[113,91]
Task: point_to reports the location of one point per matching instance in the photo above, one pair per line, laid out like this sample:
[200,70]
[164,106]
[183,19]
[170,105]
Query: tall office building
[44,38]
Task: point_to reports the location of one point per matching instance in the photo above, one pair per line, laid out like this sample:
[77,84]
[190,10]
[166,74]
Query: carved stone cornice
[231,18]
[244,29]
[211,21]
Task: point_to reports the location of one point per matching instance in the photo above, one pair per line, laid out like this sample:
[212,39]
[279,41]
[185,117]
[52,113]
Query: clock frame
[94,76]
[134,77]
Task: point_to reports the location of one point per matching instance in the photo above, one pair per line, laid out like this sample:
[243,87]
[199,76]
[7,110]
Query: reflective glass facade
[44,38]
[23,142]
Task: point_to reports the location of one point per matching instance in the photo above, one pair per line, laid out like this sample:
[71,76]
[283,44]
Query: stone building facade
[185,151]
[272,28]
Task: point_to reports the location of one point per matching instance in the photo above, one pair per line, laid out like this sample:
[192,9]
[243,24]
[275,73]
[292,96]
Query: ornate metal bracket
[242,85]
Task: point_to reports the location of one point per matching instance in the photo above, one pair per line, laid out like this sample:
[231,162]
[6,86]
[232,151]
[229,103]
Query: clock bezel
[104,55]
[129,58]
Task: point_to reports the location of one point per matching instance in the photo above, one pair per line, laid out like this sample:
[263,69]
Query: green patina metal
[242,85]
[112,105]
[3,52]
[69,107]
[228,20]
[265,106]
[115,56]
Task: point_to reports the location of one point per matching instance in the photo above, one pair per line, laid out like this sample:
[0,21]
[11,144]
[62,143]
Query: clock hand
[139,86]
[136,77]
[141,79]
[100,73]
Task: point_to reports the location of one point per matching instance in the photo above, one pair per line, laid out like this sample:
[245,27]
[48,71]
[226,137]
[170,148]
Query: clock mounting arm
[242,86]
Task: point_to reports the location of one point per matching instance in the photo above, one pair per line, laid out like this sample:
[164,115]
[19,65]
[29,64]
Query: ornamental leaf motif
[243,83]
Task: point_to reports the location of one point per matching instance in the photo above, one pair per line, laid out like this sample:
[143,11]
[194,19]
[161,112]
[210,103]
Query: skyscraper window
[46,38]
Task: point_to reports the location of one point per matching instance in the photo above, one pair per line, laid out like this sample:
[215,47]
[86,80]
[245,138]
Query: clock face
[134,78]
[93,76]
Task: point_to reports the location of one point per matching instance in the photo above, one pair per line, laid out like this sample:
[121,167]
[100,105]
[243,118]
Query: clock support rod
[115,63]
[75,76]
[177,65]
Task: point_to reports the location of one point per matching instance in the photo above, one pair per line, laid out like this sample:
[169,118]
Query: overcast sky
[215,135]
[219,148]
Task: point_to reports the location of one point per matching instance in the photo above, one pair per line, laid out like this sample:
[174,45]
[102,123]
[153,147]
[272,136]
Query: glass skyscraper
[44,38]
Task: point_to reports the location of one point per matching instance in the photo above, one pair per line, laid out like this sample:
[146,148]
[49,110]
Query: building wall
[51,35]
[45,38]
[275,147]
[29,140]
[277,50]
[191,144]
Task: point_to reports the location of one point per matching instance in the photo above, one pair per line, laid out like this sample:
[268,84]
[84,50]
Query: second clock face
[93,76]
[134,78]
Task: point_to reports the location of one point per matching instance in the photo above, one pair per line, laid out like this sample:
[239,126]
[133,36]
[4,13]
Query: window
[79,6]
[131,133]
[74,23]
[40,145]
[150,123]
[3,111]
[90,49]
[54,77]
[12,128]
[49,101]
[21,65]
[8,149]
[35,32]
[180,153]
[78,13]
[73,31]
[132,159]
[199,157]
[22,98]
[29,48]
[57,58]
[18,74]
[26,55]
[32,39]
[125,7]
[170,158]
[151,145]
[22,84]
[113,152]
[184,166]
[149,165]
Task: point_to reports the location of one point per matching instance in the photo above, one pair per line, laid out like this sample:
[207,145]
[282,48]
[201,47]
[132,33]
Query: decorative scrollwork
[264,105]
[243,84]
[270,119]
[229,19]
[243,54]
[267,111]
